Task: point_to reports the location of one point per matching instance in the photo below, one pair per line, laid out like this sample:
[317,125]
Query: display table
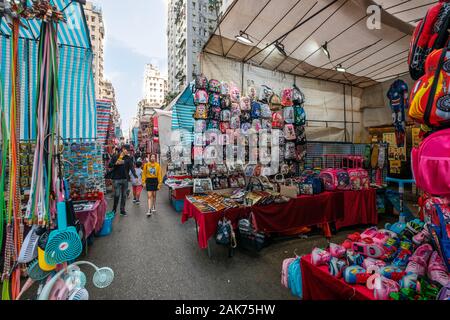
[318,284]
[93,219]
[360,208]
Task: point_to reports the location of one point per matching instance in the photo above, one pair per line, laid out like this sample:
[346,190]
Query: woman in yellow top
[152,179]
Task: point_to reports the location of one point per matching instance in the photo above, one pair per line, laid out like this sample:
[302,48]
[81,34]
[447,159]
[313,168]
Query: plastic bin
[107,225]
[178,205]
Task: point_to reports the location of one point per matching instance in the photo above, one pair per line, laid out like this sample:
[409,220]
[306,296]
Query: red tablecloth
[360,207]
[318,284]
[92,220]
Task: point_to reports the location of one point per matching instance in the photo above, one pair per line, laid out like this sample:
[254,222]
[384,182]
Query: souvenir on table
[202,186]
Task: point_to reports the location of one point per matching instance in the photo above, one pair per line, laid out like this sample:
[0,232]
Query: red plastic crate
[181,193]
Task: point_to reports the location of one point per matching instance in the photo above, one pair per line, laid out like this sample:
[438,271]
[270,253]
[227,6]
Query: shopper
[122,165]
[136,183]
[152,178]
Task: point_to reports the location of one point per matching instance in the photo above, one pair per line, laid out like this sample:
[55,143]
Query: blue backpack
[299,116]
[256,110]
[295,278]
[440,237]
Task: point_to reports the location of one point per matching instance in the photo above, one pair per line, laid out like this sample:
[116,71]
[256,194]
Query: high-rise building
[155,86]
[189,25]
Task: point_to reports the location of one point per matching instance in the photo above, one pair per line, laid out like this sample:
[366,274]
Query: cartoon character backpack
[201,112]
[201,97]
[235,109]
[287,97]
[225,115]
[266,113]
[226,102]
[214,100]
[215,113]
[278,137]
[245,127]
[430,102]
[277,120]
[264,94]
[246,117]
[275,102]
[235,93]
[297,96]
[235,122]
[256,124]
[299,116]
[289,132]
[300,153]
[199,126]
[213,124]
[224,89]
[214,86]
[430,34]
[224,127]
[266,124]
[201,83]
[288,114]
[246,104]
[256,110]
[289,151]
[398,99]
[251,93]
[300,132]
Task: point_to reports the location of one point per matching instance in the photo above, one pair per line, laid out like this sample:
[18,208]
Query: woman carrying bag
[152,179]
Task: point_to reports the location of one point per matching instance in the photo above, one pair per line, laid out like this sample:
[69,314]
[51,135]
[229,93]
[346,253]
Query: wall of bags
[324,99]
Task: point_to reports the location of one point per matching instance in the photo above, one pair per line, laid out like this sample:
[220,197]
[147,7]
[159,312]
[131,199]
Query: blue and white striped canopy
[74,32]
[183,114]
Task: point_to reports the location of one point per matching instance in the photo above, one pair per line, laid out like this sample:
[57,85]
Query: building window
[93,19]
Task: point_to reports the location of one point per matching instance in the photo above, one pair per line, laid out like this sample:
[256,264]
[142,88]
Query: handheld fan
[63,244]
[79,295]
[35,272]
[75,278]
[29,250]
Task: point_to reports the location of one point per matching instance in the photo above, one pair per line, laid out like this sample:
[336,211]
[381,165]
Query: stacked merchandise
[103,116]
[84,168]
[212,203]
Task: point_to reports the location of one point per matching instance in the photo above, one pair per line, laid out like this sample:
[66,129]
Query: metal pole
[345,116]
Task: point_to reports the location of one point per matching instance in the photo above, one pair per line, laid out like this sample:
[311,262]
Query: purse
[289,189]
[225,234]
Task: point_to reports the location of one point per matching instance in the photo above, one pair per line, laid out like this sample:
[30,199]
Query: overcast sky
[135,36]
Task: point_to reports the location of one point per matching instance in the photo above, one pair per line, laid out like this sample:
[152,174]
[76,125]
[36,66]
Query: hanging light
[340,68]
[244,38]
[280,48]
[325,49]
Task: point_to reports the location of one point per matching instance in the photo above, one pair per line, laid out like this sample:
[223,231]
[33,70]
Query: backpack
[224,127]
[266,124]
[245,127]
[226,102]
[398,100]
[288,114]
[299,116]
[214,86]
[256,124]
[289,132]
[246,104]
[235,122]
[224,89]
[235,93]
[431,164]
[277,120]
[213,124]
[430,34]
[297,96]
[235,109]
[225,115]
[266,113]
[275,102]
[310,183]
[359,179]
[215,113]
[264,94]
[287,97]
[199,126]
[201,97]
[246,117]
[300,132]
[440,235]
[295,278]
[289,151]
[284,272]
[256,110]
[335,179]
[201,112]
[214,100]
[199,140]
[429,102]
[251,93]
[300,153]
[201,83]
[278,137]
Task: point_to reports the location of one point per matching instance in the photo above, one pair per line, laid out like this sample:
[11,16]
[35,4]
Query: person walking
[136,183]
[152,178]
[122,165]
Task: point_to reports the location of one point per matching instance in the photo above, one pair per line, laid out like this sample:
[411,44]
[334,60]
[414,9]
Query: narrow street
[158,258]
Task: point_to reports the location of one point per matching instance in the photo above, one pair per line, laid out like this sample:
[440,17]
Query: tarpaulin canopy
[290,35]
[183,114]
[78,114]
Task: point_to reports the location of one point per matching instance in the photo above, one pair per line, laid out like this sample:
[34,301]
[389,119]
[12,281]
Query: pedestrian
[122,165]
[152,178]
[136,183]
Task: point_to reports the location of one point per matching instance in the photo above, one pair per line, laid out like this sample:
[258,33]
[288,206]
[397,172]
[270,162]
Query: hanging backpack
[199,126]
[440,235]
[213,124]
[201,112]
[300,132]
[431,164]
[430,34]
[300,153]
[201,83]
[246,116]
[266,124]
[224,89]
[235,93]
[235,109]
[201,97]
[287,97]
[285,271]
[277,120]
[289,132]
[256,124]
[251,93]
[297,96]
[246,104]
[214,86]
[266,113]
[289,151]
[256,110]
[245,127]
[224,127]
[278,138]
[288,114]
[295,278]
[264,94]
[199,140]
[225,115]
[275,102]
[430,102]
[215,113]
[398,101]
[226,102]
[235,122]
[299,116]
[214,100]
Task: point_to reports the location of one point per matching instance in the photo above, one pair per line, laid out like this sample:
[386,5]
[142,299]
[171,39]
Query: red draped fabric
[360,208]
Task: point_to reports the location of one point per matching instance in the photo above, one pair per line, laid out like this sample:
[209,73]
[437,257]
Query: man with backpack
[122,164]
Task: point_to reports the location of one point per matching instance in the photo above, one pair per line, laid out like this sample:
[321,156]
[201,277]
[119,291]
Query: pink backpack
[359,178]
[431,164]
[284,272]
[201,97]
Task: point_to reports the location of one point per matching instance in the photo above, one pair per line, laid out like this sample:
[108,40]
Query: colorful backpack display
[430,102]
[275,102]
[201,112]
[431,164]
[277,120]
[335,179]
[287,97]
[297,96]
[214,100]
[235,122]
[288,114]
[246,104]
[256,110]
[201,82]
[299,116]
[215,113]
[199,126]
[201,97]
[430,34]
[225,115]
[398,100]
[264,94]
[266,113]
[289,132]
[226,102]
[214,86]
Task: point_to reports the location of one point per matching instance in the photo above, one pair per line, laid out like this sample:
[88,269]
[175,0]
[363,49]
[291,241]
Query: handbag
[225,234]
[289,189]
[249,238]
